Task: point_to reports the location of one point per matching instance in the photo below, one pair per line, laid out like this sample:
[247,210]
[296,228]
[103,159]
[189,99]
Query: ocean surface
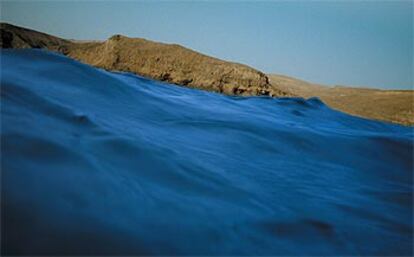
[101,163]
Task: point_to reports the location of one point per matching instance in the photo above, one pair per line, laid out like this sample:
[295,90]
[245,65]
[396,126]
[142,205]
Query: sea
[110,163]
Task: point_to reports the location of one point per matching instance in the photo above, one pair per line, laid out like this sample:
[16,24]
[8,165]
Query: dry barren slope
[166,62]
[395,106]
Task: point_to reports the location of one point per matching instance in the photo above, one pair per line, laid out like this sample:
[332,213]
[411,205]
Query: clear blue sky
[356,43]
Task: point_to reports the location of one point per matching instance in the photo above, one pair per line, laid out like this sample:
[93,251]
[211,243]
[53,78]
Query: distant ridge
[166,62]
[395,106]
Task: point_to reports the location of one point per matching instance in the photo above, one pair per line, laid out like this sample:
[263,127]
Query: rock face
[166,62]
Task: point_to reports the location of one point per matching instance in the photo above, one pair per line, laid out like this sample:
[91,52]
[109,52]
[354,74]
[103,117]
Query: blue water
[100,163]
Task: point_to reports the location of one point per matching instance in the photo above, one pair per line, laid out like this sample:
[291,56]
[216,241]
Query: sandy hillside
[395,106]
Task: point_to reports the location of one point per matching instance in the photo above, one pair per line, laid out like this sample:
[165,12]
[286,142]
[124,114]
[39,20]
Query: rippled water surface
[100,163]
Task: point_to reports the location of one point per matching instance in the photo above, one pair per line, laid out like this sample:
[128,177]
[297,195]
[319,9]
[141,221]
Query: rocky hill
[179,65]
[165,62]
